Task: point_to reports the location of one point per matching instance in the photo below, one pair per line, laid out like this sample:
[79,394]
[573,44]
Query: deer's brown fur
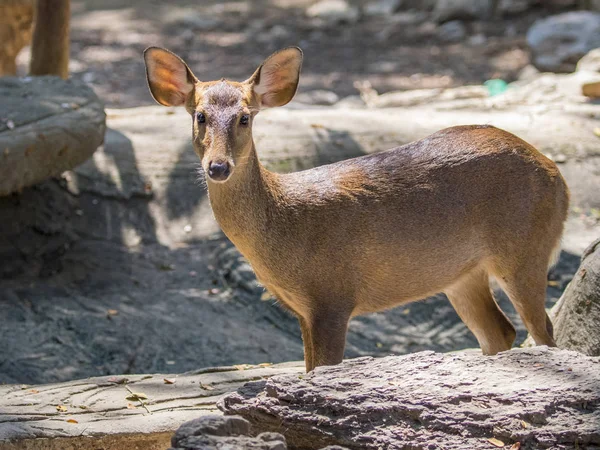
[442,214]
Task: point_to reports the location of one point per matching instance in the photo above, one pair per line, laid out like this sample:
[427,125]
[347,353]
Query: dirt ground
[76,303]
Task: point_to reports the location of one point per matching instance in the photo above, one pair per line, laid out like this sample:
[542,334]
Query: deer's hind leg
[526,289]
[474,302]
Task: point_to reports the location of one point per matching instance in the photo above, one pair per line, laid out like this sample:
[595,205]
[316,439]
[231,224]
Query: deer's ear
[169,78]
[276,80]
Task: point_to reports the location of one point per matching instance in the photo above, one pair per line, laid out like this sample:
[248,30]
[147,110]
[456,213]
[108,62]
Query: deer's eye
[245,119]
[200,117]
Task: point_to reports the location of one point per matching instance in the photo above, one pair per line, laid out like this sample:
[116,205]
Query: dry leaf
[61,408]
[112,312]
[34,391]
[242,366]
[317,125]
[553,283]
[496,442]
[515,446]
[169,381]
[136,396]
[265,364]
[265,296]
[208,387]
[406,311]
[597,131]
[130,406]
[72,421]
[524,424]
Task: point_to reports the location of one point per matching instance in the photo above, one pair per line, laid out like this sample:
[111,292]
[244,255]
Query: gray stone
[453,31]
[382,7]
[334,11]
[317,97]
[446,10]
[558,42]
[510,7]
[47,126]
[351,102]
[590,62]
[576,316]
[104,414]
[216,432]
[477,39]
[538,397]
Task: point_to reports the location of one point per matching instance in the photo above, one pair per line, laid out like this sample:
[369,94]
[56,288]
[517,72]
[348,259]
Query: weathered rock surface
[214,432]
[538,397]
[576,316]
[47,126]
[106,413]
[559,41]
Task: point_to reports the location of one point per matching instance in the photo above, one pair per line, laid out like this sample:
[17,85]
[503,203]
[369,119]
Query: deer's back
[417,216]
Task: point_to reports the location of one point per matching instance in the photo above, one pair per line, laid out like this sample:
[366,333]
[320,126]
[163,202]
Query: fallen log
[524,398]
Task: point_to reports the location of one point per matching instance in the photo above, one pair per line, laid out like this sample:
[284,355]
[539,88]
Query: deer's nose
[218,171]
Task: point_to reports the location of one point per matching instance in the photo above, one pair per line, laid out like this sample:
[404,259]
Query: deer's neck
[244,204]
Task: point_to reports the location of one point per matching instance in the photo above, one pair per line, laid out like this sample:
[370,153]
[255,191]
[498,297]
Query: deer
[445,214]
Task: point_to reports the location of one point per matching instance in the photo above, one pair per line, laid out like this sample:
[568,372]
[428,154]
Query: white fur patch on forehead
[223,95]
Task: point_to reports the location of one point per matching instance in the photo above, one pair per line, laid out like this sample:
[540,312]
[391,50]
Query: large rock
[47,126]
[559,41]
[214,432]
[122,412]
[576,316]
[539,398]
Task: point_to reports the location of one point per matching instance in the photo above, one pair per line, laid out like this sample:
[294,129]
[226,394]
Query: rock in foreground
[538,397]
[213,432]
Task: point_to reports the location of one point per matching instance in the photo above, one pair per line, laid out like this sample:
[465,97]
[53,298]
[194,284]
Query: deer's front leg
[326,332]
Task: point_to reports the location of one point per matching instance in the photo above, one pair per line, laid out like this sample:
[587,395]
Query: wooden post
[50,45]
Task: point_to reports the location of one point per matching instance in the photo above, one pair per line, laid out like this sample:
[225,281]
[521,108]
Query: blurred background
[394,44]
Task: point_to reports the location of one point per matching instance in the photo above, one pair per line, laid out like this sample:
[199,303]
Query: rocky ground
[91,286]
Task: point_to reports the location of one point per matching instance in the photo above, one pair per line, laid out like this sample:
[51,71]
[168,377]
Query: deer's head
[222,111]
